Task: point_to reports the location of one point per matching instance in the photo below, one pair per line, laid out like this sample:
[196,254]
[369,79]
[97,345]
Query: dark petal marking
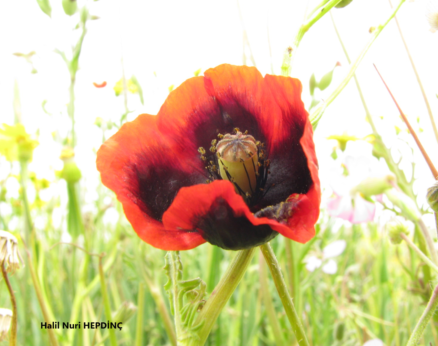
[222,228]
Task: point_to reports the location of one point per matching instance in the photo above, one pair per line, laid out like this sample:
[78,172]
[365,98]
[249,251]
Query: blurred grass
[370,296]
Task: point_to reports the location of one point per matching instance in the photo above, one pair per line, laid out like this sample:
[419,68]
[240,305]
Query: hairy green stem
[221,294]
[106,303]
[419,252]
[424,319]
[292,315]
[267,299]
[13,339]
[429,241]
[317,114]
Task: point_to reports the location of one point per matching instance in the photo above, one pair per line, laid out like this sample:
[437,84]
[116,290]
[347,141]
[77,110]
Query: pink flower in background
[347,203]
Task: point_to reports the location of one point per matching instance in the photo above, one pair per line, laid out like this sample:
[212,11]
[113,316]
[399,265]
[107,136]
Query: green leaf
[45,7]
[327,78]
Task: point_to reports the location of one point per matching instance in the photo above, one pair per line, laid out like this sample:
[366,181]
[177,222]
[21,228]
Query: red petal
[220,215]
[190,117]
[139,166]
[101,85]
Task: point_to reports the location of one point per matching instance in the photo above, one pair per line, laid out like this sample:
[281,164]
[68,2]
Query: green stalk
[221,294]
[215,255]
[267,299]
[306,26]
[317,114]
[13,338]
[140,315]
[43,303]
[429,241]
[419,252]
[71,109]
[297,326]
[83,291]
[27,217]
[424,319]
[161,306]
[106,303]
[290,266]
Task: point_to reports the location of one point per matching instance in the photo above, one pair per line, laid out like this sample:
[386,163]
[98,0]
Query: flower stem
[429,241]
[424,319]
[140,314]
[426,101]
[221,294]
[288,304]
[270,310]
[419,252]
[328,5]
[43,303]
[161,307]
[13,339]
[317,114]
[106,303]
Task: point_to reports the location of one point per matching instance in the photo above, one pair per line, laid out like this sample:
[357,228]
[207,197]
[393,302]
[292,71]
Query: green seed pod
[432,197]
[344,3]
[70,6]
[71,173]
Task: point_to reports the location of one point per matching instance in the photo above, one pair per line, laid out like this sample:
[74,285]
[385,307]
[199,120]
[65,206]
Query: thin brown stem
[426,101]
[13,339]
[411,130]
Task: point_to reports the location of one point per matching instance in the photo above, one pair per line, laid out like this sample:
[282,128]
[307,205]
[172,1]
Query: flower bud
[375,185]
[70,173]
[432,197]
[5,323]
[406,204]
[395,228]
[124,312]
[70,6]
[238,158]
[9,255]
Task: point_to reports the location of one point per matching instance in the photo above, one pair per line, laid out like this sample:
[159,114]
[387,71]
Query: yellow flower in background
[132,85]
[16,143]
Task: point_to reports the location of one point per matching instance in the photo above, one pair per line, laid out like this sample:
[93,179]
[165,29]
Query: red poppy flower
[177,174]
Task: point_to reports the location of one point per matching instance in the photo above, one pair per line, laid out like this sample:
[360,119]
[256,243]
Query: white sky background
[175,38]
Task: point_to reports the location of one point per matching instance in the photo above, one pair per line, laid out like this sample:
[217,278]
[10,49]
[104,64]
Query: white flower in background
[9,255]
[432,14]
[328,253]
[5,323]
[374,342]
